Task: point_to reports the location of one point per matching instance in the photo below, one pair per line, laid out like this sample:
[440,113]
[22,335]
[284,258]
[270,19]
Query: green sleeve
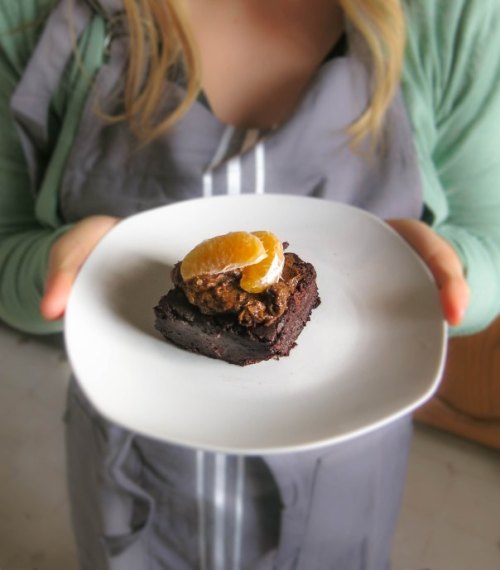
[452,85]
[29,226]
[24,243]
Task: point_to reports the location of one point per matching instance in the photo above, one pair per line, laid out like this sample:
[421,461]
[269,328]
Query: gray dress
[142,504]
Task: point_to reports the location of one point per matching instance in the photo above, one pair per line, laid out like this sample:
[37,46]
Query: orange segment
[259,276]
[223,253]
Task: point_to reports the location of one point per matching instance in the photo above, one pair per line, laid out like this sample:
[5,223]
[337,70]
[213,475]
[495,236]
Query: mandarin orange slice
[259,276]
[223,253]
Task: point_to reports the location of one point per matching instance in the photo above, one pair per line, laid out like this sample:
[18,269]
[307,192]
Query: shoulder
[448,42]
[439,30]
[449,16]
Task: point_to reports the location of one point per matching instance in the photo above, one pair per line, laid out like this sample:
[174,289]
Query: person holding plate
[112,107]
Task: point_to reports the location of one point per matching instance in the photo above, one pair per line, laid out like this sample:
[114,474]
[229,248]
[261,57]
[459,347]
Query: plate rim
[286,199]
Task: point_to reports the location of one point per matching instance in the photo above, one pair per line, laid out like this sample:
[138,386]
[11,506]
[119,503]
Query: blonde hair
[160,43]
[161,40]
[381,26]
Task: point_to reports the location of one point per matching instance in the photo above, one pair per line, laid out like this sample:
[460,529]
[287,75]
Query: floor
[450,518]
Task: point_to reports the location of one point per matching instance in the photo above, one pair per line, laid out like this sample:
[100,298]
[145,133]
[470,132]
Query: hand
[66,257]
[444,264]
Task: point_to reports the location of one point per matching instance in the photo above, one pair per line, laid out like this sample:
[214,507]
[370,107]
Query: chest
[309,154]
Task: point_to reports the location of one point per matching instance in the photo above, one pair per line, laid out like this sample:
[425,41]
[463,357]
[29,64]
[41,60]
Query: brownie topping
[221,294]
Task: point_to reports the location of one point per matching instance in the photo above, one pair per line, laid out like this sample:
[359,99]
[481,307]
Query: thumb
[443,263]
[66,258]
[55,298]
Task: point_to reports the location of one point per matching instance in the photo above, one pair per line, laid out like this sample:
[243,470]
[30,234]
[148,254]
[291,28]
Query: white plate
[372,351]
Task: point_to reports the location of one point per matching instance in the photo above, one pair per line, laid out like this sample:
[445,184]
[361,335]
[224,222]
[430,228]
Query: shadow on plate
[133,295]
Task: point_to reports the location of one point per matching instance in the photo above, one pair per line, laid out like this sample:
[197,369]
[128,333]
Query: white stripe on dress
[238,512]
[234,176]
[219,549]
[200,495]
[208,183]
[260,168]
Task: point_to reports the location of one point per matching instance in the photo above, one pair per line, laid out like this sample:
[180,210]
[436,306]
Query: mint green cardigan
[451,84]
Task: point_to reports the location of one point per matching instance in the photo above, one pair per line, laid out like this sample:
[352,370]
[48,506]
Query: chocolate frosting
[221,294]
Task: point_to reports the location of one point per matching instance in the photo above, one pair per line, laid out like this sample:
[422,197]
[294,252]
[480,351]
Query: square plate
[373,350]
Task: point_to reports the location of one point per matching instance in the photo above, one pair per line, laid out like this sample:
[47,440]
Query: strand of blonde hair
[381,24]
[160,40]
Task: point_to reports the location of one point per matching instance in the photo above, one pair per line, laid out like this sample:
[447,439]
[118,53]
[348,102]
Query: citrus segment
[223,253]
[259,276]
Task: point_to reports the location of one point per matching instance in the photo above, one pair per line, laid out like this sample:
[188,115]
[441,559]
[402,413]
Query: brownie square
[223,337]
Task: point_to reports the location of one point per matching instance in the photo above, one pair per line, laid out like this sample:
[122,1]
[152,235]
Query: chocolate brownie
[212,315]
